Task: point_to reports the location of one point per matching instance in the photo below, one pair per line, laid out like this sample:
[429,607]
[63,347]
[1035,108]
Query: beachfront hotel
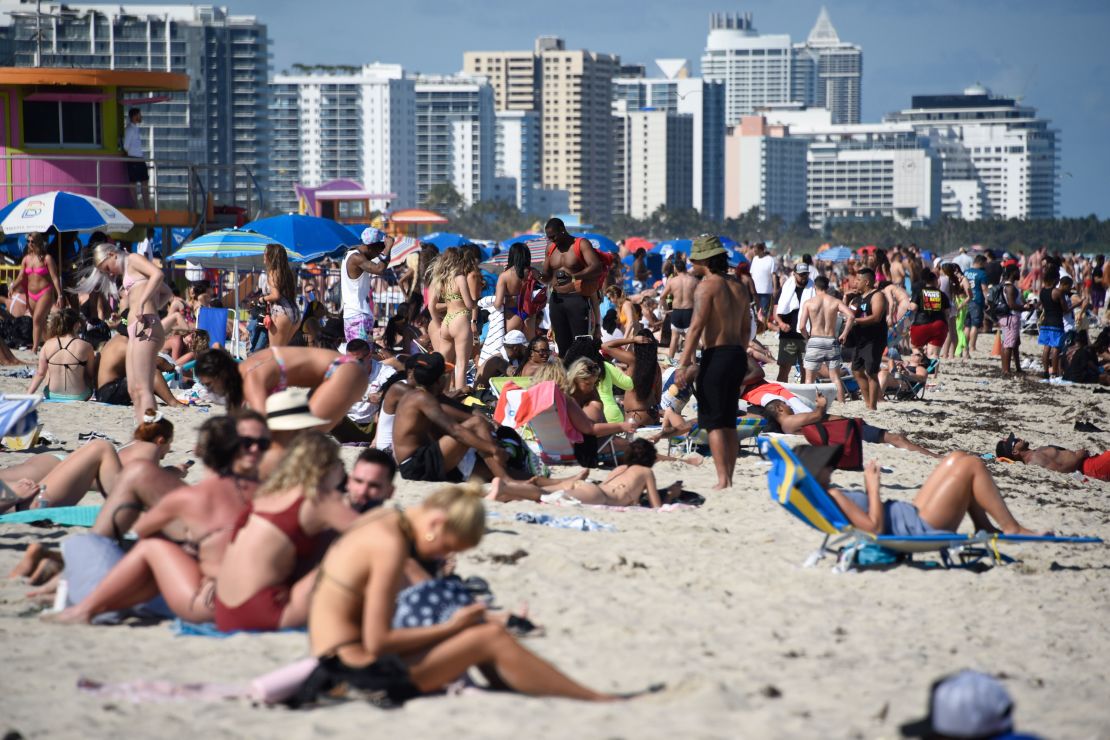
[572,92]
[655,166]
[1000,160]
[349,123]
[455,136]
[220,121]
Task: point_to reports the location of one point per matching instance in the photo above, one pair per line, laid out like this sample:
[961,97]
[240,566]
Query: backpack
[997,306]
[533,296]
[607,259]
[845,432]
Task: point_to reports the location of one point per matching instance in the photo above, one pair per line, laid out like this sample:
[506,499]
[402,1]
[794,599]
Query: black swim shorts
[426,464]
[681,318]
[871,434]
[717,387]
[137,172]
[869,356]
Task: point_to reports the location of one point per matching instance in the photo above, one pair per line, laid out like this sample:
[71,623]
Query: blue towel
[579,523]
[64,516]
[181,628]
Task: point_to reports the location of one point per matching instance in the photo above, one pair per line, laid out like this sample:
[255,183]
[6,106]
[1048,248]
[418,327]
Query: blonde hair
[60,321]
[92,280]
[580,370]
[466,515]
[446,268]
[553,371]
[306,463]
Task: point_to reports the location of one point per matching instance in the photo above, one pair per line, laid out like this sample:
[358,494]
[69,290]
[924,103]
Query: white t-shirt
[362,411]
[762,271]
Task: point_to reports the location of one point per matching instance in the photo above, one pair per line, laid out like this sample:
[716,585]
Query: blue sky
[1054,54]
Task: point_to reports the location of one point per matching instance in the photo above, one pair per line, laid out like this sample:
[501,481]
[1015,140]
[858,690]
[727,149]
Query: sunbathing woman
[67,363]
[355,597]
[578,418]
[623,487]
[960,485]
[337,381]
[641,402]
[267,573]
[184,574]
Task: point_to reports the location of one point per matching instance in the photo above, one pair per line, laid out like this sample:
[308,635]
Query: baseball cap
[515,337]
[288,411]
[967,704]
[427,369]
[706,246]
[801,268]
[371,235]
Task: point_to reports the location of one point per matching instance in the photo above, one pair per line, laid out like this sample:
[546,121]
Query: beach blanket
[495,333]
[63,516]
[571,502]
[578,523]
[182,628]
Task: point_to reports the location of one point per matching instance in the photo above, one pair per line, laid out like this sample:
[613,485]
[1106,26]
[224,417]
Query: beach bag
[533,296]
[848,433]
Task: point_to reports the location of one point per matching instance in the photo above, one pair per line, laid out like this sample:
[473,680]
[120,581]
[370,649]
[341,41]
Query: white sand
[713,602]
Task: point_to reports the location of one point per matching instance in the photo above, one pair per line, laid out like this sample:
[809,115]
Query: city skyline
[1041,54]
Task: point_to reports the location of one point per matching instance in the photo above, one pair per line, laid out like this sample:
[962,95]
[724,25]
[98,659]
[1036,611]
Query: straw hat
[287,411]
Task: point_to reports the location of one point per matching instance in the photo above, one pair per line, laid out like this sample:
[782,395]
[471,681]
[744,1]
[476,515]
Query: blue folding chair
[793,488]
[214,321]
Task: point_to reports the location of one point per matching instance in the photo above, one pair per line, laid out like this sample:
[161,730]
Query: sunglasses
[539,351]
[262,443]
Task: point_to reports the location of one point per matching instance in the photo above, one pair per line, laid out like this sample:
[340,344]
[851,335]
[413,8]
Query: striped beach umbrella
[230,249]
[537,246]
[64,211]
[401,250]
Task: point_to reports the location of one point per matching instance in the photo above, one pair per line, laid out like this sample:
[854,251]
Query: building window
[58,123]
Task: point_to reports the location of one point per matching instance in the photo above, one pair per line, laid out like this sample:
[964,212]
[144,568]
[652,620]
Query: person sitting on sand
[183,573]
[960,485]
[1060,459]
[350,619]
[641,402]
[622,487]
[111,376]
[337,381]
[268,569]
[611,377]
[66,362]
[898,374]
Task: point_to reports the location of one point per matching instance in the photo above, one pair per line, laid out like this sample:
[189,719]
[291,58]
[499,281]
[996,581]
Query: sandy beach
[713,602]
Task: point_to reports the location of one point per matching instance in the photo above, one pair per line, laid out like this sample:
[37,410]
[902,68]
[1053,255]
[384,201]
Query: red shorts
[1097,466]
[932,333]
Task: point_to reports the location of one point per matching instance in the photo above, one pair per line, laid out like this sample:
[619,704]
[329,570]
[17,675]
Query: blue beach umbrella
[310,236]
[525,238]
[599,242]
[673,246]
[445,240]
[834,254]
[64,211]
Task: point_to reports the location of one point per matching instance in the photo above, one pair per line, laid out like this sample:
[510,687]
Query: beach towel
[63,516]
[17,413]
[578,523]
[495,331]
[182,628]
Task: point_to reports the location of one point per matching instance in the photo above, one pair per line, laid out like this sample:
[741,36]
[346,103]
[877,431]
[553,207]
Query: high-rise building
[356,123]
[999,159]
[765,69]
[571,90]
[765,169]
[220,121]
[455,136]
[657,165]
[832,70]
[677,92]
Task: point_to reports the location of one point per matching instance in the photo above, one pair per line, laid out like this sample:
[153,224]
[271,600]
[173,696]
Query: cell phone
[188,464]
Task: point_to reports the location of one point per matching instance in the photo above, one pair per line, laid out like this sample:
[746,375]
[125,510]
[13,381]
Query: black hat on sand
[1005,447]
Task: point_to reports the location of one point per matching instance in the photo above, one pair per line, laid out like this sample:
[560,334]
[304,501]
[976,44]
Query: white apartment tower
[517,157]
[355,123]
[455,136]
[837,70]
[765,169]
[999,159]
[656,169]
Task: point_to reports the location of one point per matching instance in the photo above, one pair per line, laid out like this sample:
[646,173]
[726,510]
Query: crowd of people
[277,533]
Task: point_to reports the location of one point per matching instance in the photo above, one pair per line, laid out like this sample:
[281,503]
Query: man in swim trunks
[1060,459]
[680,289]
[572,270]
[369,258]
[721,325]
[870,338]
[817,323]
[792,345]
[430,444]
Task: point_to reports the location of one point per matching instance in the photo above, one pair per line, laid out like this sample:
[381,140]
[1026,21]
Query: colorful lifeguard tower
[62,129]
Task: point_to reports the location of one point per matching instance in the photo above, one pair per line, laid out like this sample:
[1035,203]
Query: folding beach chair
[798,492]
[214,321]
[539,415]
[499,383]
[747,427]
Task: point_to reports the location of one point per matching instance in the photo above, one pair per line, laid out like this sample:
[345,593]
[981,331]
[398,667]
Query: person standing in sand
[572,269]
[870,332]
[721,326]
[680,289]
[817,323]
[369,258]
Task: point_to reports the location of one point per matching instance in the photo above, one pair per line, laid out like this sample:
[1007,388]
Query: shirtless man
[1060,459]
[571,270]
[680,288]
[429,444]
[111,377]
[817,323]
[721,324]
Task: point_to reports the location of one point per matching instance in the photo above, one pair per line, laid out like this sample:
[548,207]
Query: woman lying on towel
[337,381]
[355,598]
[58,479]
[960,485]
[184,573]
[268,570]
[623,487]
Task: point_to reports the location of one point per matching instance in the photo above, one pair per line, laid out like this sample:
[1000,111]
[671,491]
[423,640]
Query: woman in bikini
[67,363]
[641,402]
[179,315]
[337,381]
[449,278]
[507,294]
[37,285]
[184,573]
[268,570]
[284,316]
[622,487]
[349,622]
[539,355]
[146,293]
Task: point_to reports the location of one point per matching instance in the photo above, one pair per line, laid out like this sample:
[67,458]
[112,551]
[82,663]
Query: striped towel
[495,333]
